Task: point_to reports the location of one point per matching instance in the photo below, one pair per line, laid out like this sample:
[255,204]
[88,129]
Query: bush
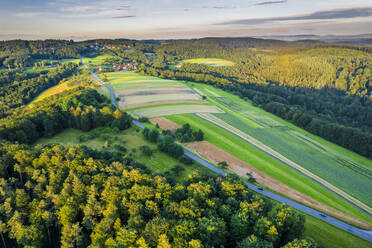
[146,150]
[223,164]
[186,160]
[177,169]
[143,119]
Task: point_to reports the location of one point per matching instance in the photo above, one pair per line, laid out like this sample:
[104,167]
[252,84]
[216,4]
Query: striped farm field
[219,122]
[246,152]
[135,91]
[129,77]
[151,98]
[174,110]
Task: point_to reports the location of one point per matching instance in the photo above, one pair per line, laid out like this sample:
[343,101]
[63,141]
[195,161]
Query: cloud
[219,7]
[123,17]
[271,2]
[27,14]
[319,15]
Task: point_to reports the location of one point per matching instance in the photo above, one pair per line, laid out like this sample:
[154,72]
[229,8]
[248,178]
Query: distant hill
[355,40]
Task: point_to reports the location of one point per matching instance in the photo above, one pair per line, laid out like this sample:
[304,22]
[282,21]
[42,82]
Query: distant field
[130,78]
[159,162]
[135,90]
[59,88]
[97,60]
[174,110]
[209,61]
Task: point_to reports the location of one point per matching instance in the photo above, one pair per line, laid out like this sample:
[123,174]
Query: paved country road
[101,82]
[364,234]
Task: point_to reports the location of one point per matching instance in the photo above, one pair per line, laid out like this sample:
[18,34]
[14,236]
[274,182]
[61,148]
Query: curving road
[364,234]
[101,82]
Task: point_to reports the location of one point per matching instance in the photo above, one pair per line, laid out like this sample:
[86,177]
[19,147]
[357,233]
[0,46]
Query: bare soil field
[216,155]
[164,123]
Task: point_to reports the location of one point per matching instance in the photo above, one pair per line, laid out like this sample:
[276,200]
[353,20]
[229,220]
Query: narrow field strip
[159,97]
[212,93]
[266,149]
[174,110]
[199,92]
[132,107]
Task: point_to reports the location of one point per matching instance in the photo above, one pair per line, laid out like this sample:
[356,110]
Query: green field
[209,61]
[173,110]
[345,169]
[242,150]
[337,169]
[128,77]
[131,139]
[330,236]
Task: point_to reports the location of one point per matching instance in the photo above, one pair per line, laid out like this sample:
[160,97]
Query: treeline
[83,111]
[167,144]
[343,119]
[72,197]
[18,93]
[22,53]
[345,68]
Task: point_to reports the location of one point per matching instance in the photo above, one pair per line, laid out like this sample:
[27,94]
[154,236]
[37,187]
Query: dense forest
[72,197]
[21,53]
[15,93]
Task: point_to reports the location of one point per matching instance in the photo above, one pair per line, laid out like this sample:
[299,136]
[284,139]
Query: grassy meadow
[131,139]
[330,236]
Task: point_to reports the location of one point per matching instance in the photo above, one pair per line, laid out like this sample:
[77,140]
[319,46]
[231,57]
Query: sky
[175,19]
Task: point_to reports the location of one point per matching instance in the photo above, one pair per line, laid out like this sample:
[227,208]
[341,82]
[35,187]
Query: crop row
[215,120]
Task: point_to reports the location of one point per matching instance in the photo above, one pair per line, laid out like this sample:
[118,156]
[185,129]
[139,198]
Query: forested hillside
[20,53]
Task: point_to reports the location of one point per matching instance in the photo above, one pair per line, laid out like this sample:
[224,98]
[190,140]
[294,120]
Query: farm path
[101,82]
[216,155]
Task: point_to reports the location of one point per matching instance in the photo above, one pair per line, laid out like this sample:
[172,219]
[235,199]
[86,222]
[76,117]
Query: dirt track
[164,123]
[216,155]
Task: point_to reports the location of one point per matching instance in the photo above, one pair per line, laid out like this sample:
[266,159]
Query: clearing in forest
[209,61]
